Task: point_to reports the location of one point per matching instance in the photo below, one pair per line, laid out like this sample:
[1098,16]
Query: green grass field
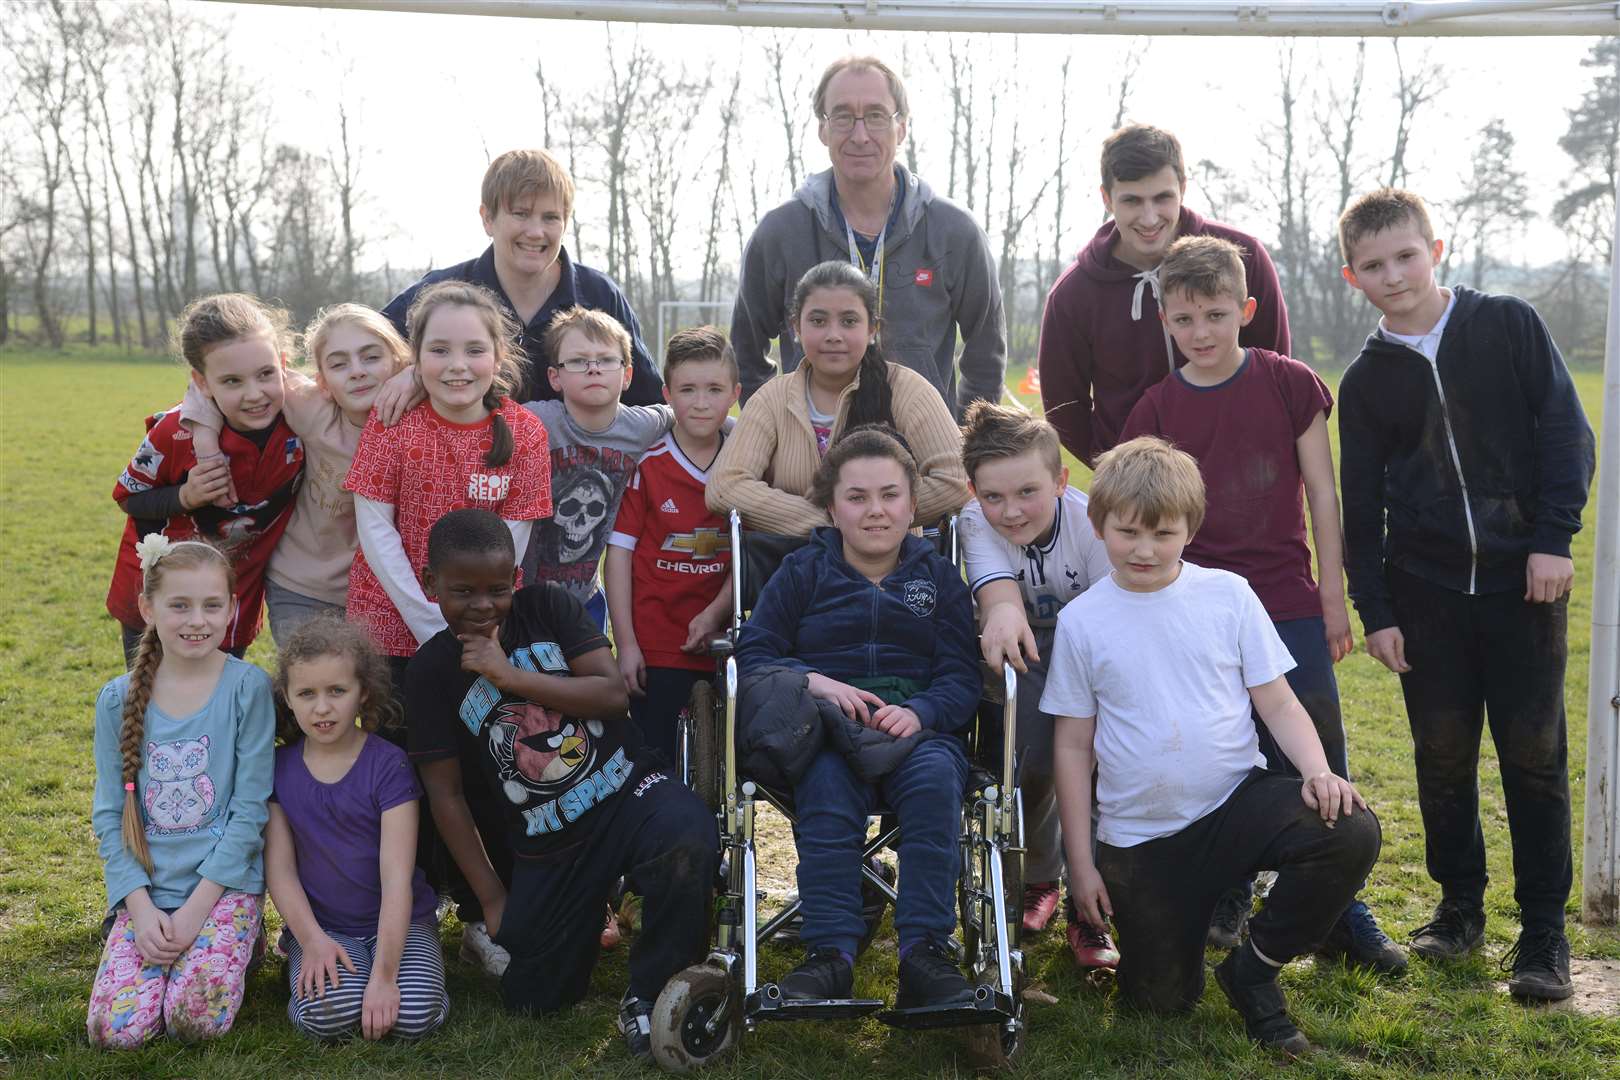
[68,425]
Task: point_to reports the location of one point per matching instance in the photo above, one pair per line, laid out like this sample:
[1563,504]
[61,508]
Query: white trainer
[478,948]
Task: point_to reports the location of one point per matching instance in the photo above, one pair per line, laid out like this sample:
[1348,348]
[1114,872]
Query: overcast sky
[438,94]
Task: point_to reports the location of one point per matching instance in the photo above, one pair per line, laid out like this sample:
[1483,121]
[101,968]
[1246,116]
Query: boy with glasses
[596,444]
[929,260]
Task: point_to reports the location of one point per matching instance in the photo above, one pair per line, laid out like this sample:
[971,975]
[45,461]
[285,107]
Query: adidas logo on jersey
[669,507]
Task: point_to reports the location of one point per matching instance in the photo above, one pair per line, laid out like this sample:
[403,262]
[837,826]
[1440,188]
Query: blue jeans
[925,792]
[1313,683]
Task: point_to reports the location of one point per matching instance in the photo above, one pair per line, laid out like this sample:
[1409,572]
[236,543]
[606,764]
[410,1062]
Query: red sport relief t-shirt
[266,479]
[426,466]
[682,552]
[1243,433]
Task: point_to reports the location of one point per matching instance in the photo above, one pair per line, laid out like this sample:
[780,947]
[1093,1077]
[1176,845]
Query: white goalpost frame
[1304,18]
[667,306]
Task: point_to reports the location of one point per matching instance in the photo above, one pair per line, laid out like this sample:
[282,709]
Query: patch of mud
[1597,988]
[777,860]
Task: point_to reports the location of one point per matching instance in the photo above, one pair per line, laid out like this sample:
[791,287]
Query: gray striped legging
[423,1002]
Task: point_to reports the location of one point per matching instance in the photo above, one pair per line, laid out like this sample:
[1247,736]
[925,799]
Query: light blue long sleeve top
[204,786]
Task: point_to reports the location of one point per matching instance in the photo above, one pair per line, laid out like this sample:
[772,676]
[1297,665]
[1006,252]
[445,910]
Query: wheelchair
[705,1009]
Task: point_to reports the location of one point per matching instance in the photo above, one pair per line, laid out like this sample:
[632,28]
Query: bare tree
[306,246]
[345,166]
[669,109]
[1289,177]
[1415,86]
[614,109]
[1060,175]
[45,77]
[114,36]
[708,280]
[1495,203]
[72,30]
[1339,119]
[1129,66]
[961,80]
[783,53]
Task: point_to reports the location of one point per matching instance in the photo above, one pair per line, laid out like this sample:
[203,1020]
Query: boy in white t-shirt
[1029,550]
[1152,678]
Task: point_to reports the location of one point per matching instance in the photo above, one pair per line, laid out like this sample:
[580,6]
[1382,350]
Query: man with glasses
[525,204]
[929,260]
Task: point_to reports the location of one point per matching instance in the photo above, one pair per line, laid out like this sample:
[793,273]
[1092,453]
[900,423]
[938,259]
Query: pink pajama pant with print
[196,997]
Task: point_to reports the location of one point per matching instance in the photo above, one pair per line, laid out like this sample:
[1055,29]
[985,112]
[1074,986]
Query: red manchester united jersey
[266,478]
[682,552]
[426,466]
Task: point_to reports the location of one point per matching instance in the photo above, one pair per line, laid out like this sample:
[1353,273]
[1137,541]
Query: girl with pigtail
[467,445]
[184,759]
[769,462]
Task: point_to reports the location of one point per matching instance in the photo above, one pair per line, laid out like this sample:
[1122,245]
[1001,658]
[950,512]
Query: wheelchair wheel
[696,1019]
[705,724]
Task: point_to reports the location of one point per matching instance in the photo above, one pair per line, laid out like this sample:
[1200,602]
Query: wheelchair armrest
[722,646]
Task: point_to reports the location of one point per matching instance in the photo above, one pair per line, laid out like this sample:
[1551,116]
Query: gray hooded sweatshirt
[938,278]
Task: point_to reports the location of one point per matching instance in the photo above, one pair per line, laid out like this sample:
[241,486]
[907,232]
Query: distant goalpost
[668,321]
[1302,18]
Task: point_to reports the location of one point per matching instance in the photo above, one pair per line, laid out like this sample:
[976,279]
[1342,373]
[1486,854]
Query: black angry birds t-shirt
[546,770]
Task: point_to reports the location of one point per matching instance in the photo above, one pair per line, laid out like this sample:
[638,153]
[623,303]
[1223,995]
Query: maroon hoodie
[1102,344]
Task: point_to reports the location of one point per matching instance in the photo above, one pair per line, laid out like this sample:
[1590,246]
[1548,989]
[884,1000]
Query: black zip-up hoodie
[1457,471]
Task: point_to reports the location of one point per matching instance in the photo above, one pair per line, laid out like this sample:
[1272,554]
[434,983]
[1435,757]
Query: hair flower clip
[152,548]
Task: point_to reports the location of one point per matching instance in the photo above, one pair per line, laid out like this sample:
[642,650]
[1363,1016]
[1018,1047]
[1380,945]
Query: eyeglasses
[580,365]
[876,120]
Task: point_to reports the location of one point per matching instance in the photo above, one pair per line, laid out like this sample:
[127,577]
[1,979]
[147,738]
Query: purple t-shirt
[337,831]
[1244,433]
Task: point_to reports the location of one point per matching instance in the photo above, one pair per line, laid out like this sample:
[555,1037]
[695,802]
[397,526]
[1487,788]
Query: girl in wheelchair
[860,668]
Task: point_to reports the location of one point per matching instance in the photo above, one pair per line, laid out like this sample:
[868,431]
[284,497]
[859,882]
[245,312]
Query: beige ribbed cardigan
[770,458]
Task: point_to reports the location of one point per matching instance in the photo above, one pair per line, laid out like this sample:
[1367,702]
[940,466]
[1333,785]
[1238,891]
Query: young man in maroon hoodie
[1102,343]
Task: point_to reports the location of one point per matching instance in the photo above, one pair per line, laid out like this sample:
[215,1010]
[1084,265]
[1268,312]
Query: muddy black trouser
[1313,683]
[662,840]
[1164,891]
[1496,659]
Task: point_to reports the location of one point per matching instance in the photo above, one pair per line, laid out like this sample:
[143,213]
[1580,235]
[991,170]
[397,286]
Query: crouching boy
[522,689]
[1152,678]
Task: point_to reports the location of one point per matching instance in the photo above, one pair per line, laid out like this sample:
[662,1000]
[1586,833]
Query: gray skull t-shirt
[589,472]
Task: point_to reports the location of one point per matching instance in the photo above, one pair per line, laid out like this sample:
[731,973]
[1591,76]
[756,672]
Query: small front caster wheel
[697,1018]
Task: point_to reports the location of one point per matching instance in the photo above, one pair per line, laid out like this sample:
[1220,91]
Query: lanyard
[876,270]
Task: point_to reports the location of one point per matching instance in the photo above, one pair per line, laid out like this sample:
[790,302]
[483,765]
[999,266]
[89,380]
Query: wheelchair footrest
[989,1006]
[767,1003]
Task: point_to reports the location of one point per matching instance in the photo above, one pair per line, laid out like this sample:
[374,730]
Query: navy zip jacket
[819,614]
[1457,471]
[578,285]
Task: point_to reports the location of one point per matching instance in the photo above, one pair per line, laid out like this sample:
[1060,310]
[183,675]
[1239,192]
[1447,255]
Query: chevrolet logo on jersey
[699,543]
